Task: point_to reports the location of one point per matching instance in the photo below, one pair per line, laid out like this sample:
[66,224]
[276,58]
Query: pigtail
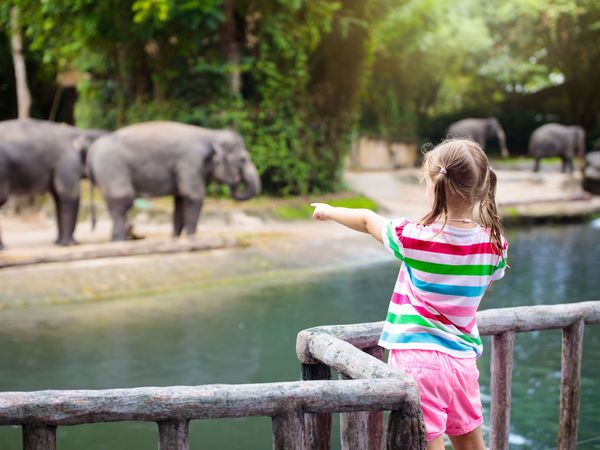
[489,213]
[440,205]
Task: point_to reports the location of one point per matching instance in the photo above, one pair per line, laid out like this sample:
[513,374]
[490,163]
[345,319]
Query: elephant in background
[168,158]
[39,156]
[480,130]
[554,139]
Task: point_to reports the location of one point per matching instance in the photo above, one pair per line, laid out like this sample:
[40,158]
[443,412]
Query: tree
[23,94]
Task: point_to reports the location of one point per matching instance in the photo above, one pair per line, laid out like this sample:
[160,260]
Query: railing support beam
[174,435]
[502,363]
[317,427]
[39,437]
[362,430]
[288,431]
[570,381]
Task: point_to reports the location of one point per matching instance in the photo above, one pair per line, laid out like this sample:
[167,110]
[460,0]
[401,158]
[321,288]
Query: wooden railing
[337,347]
[39,413]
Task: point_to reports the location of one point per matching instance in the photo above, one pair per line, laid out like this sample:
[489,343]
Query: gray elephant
[168,158]
[480,130]
[591,173]
[554,139]
[38,156]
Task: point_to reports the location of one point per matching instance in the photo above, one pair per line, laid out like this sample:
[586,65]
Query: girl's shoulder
[407,228]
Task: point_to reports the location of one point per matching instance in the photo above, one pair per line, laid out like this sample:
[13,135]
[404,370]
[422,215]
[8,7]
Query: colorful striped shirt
[439,287]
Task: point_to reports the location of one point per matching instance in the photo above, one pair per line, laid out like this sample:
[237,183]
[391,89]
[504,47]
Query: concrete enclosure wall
[379,154]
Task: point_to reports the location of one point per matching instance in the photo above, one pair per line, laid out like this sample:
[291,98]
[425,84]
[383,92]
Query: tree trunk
[231,46]
[23,95]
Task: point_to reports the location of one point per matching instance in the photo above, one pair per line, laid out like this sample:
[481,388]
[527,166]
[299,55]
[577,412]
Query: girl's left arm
[363,220]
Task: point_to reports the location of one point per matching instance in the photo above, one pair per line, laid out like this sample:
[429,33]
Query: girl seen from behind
[449,260]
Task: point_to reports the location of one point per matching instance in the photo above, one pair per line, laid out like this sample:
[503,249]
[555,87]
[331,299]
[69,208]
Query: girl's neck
[460,218]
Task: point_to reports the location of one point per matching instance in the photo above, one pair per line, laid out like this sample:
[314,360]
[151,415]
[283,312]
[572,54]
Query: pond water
[246,334]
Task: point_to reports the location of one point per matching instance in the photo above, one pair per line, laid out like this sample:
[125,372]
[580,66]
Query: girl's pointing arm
[363,220]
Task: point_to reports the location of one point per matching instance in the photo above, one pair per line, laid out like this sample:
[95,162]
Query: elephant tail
[92,204]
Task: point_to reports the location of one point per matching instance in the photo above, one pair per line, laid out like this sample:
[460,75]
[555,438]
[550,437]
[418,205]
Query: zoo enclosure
[339,347]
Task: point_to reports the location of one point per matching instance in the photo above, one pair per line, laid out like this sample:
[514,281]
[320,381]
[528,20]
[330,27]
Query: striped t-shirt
[440,285]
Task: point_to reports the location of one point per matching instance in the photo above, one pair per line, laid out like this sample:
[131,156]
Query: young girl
[448,262]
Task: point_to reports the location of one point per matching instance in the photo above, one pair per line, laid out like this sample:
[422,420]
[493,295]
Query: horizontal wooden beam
[533,318]
[178,403]
[489,322]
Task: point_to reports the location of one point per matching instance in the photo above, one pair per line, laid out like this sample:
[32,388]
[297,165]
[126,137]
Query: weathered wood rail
[346,348]
[40,413]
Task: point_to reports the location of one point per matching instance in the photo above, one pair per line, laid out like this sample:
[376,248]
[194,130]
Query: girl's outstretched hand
[322,211]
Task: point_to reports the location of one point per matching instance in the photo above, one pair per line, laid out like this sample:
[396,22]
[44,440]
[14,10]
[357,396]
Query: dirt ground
[245,245]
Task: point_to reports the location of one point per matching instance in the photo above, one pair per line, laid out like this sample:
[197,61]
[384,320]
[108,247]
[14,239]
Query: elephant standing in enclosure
[167,158]
[38,156]
[480,130]
[554,139]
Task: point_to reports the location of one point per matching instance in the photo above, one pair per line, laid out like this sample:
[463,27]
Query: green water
[246,334]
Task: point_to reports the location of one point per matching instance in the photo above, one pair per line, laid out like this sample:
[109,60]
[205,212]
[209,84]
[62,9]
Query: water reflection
[244,334]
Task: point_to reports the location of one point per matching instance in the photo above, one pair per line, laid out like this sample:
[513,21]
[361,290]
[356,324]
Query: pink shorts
[448,387]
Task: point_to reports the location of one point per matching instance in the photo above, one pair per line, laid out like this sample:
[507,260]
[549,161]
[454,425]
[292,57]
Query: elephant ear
[216,153]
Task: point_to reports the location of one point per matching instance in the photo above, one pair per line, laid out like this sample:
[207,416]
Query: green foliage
[424,54]
[525,61]
[161,59]
[311,71]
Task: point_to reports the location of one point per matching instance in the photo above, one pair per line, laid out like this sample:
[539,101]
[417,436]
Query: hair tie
[443,171]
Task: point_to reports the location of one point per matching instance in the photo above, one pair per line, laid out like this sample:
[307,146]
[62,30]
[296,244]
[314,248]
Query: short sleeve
[391,234]
[502,264]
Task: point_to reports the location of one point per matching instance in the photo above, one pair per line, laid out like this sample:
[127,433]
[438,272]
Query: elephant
[591,173]
[554,139]
[480,130]
[39,156]
[159,158]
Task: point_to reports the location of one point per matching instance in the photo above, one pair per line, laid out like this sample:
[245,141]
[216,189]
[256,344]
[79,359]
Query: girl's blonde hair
[461,174]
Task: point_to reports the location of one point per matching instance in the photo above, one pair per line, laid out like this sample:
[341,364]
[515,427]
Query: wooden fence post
[502,362]
[317,427]
[288,431]
[39,437]
[173,435]
[362,430]
[405,429]
[570,381]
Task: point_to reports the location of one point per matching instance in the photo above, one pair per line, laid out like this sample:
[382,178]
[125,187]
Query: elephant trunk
[250,181]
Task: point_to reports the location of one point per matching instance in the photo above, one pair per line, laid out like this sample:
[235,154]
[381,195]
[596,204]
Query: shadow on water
[246,334]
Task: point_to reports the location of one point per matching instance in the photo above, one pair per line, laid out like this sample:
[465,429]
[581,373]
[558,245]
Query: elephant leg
[191,213]
[67,217]
[65,191]
[536,165]
[119,209]
[178,216]
[59,223]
